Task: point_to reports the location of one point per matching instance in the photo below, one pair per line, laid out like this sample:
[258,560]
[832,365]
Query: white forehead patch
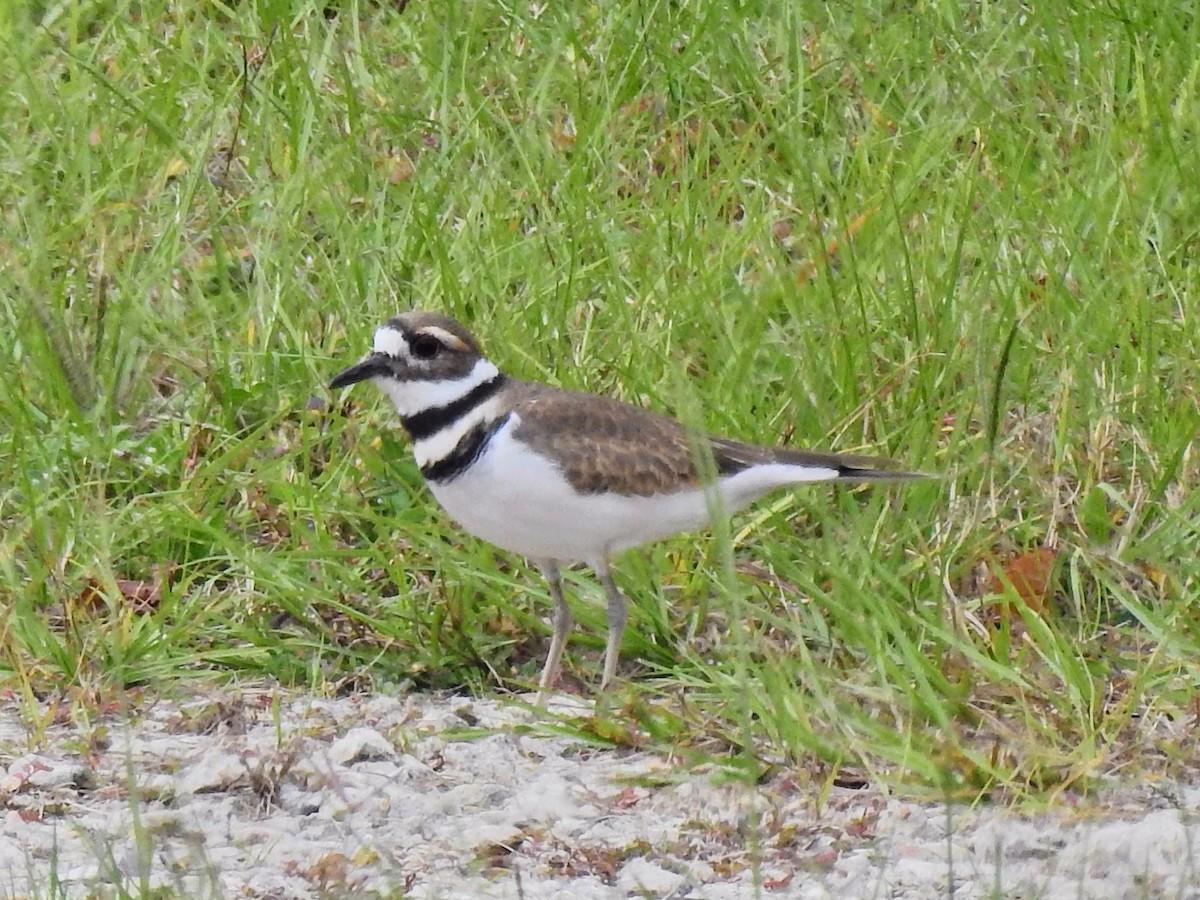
[390,341]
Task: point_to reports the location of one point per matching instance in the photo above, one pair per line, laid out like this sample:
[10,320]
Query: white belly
[521,502]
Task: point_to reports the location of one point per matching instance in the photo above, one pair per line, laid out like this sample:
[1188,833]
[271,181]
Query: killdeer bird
[562,476]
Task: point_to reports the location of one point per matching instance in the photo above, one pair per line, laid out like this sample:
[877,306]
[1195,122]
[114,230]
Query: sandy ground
[273,794]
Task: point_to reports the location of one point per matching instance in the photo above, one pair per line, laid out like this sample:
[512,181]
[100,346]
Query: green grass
[941,232]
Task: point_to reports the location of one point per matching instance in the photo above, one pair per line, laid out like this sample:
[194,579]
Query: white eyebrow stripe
[392,342]
[450,340]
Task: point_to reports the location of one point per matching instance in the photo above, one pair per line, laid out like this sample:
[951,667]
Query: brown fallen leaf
[1031,575]
[140,595]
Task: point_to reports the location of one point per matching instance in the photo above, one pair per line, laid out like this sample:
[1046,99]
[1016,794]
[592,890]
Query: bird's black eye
[425,346]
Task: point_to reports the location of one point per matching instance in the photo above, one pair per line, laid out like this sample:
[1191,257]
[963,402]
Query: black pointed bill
[370,367]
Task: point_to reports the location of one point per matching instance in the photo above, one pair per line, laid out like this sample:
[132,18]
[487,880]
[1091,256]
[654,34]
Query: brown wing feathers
[604,444]
[608,445]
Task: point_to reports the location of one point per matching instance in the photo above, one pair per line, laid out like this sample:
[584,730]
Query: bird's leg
[617,614]
[562,627]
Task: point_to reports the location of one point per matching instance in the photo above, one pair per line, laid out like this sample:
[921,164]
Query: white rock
[216,770]
[297,801]
[171,747]
[483,836]
[1003,837]
[385,713]
[812,890]
[411,768]
[62,774]
[21,766]
[639,876]
[80,872]
[360,744]
[917,873]
[24,772]
[545,799]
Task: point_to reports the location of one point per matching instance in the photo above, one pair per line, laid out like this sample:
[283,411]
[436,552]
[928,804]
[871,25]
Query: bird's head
[421,360]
